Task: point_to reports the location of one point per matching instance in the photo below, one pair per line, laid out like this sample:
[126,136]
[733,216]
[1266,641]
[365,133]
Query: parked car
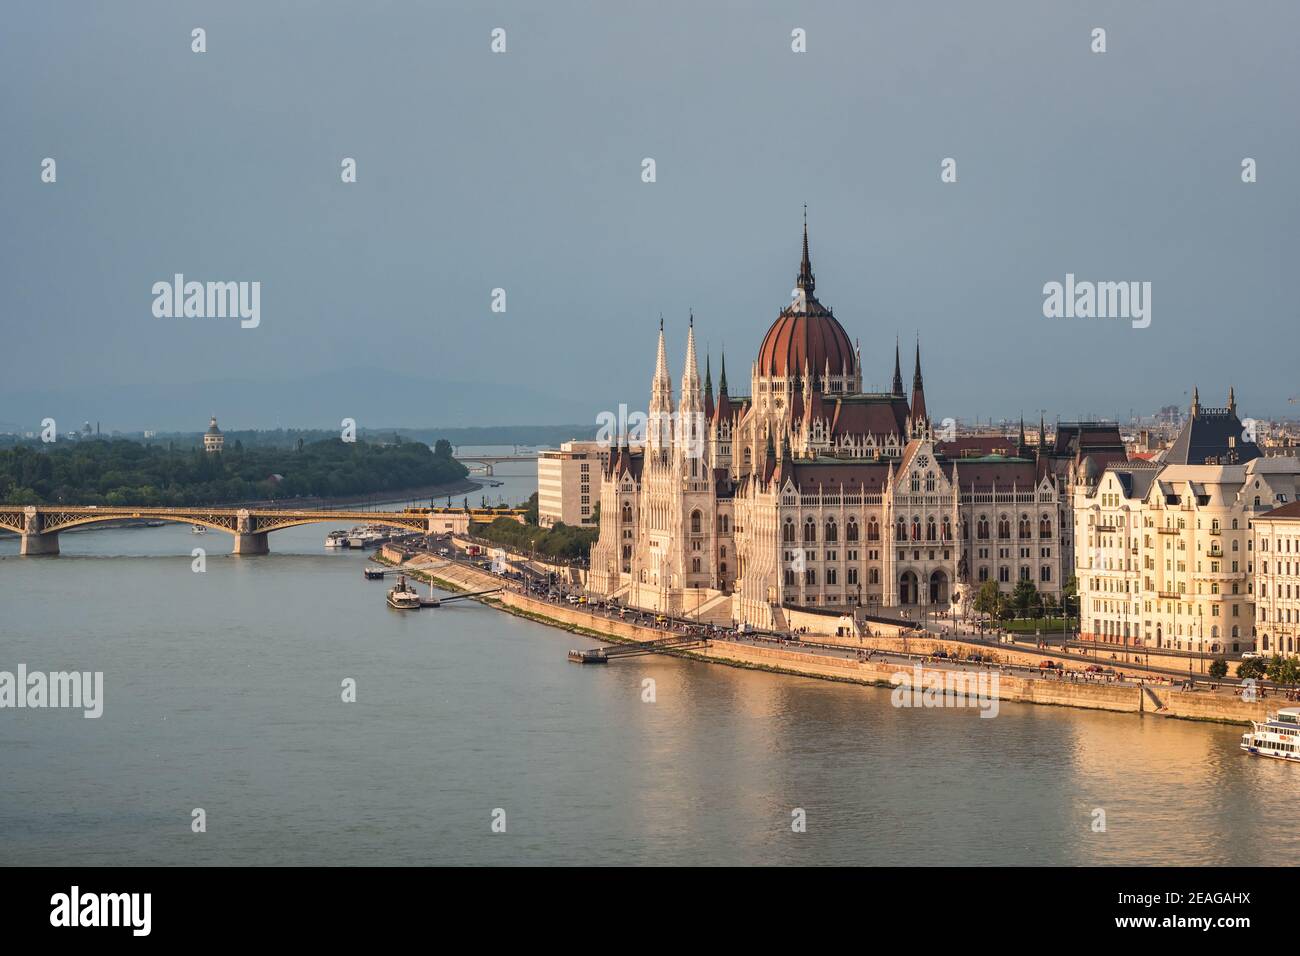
[1048,665]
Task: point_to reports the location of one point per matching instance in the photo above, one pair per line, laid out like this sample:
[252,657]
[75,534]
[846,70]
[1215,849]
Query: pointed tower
[1232,400]
[690,413]
[807,282]
[920,417]
[708,390]
[898,372]
[659,428]
[1196,401]
[723,412]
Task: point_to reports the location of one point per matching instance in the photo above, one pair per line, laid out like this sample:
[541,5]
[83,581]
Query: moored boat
[402,597]
[1279,736]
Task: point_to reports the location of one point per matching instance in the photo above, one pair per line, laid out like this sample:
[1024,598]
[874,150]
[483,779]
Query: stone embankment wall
[1122,698]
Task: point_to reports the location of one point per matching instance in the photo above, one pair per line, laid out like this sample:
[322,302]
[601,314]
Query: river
[222,691]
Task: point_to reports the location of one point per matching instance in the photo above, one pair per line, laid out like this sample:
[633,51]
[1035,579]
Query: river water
[222,691]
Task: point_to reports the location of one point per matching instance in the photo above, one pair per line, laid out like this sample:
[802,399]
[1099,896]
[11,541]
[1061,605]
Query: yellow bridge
[40,524]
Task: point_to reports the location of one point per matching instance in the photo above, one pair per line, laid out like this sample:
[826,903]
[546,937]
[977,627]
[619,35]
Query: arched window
[695,565]
[627,513]
[851,532]
[1024,528]
[1004,527]
[916,528]
[695,522]
[1045,526]
[982,528]
[787,531]
[832,532]
[809,531]
[931,531]
[873,530]
[901,530]
[947,529]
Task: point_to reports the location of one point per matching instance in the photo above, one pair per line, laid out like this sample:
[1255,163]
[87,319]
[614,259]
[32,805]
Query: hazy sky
[523,171]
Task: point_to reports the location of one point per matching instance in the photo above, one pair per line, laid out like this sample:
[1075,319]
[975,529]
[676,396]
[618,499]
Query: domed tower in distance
[212,438]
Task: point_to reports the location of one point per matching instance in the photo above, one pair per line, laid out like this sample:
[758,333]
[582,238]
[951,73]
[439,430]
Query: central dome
[811,337]
[805,333]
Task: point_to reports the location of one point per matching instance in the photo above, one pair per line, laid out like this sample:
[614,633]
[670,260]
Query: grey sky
[523,171]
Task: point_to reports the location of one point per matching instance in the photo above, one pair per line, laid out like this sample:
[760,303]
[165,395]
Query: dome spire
[806,281]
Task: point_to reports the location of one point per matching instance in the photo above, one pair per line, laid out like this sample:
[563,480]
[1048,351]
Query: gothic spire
[691,374]
[659,424]
[919,413]
[708,388]
[898,372]
[806,281]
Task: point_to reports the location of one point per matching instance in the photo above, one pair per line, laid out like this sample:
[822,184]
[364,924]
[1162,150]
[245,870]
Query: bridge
[487,461]
[40,525]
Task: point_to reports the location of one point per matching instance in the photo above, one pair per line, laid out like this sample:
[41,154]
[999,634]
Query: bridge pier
[35,540]
[34,543]
[251,543]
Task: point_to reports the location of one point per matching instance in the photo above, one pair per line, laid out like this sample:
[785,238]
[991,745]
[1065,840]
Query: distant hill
[373,397]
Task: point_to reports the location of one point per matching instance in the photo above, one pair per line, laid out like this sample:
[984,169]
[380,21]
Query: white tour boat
[198,529]
[1279,736]
[336,539]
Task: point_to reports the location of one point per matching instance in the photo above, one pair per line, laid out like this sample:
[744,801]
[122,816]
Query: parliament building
[809,493]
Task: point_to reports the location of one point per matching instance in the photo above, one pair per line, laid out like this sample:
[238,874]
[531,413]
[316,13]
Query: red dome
[805,332]
[813,336]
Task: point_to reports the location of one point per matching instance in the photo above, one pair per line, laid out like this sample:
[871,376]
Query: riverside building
[1277,579]
[1166,549]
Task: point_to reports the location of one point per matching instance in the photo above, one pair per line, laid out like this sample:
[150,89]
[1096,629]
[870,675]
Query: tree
[1022,598]
[988,599]
[1283,670]
[1218,668]
[1255,668]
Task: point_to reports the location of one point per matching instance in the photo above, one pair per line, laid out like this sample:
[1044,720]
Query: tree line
[560,542]
[123,472]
